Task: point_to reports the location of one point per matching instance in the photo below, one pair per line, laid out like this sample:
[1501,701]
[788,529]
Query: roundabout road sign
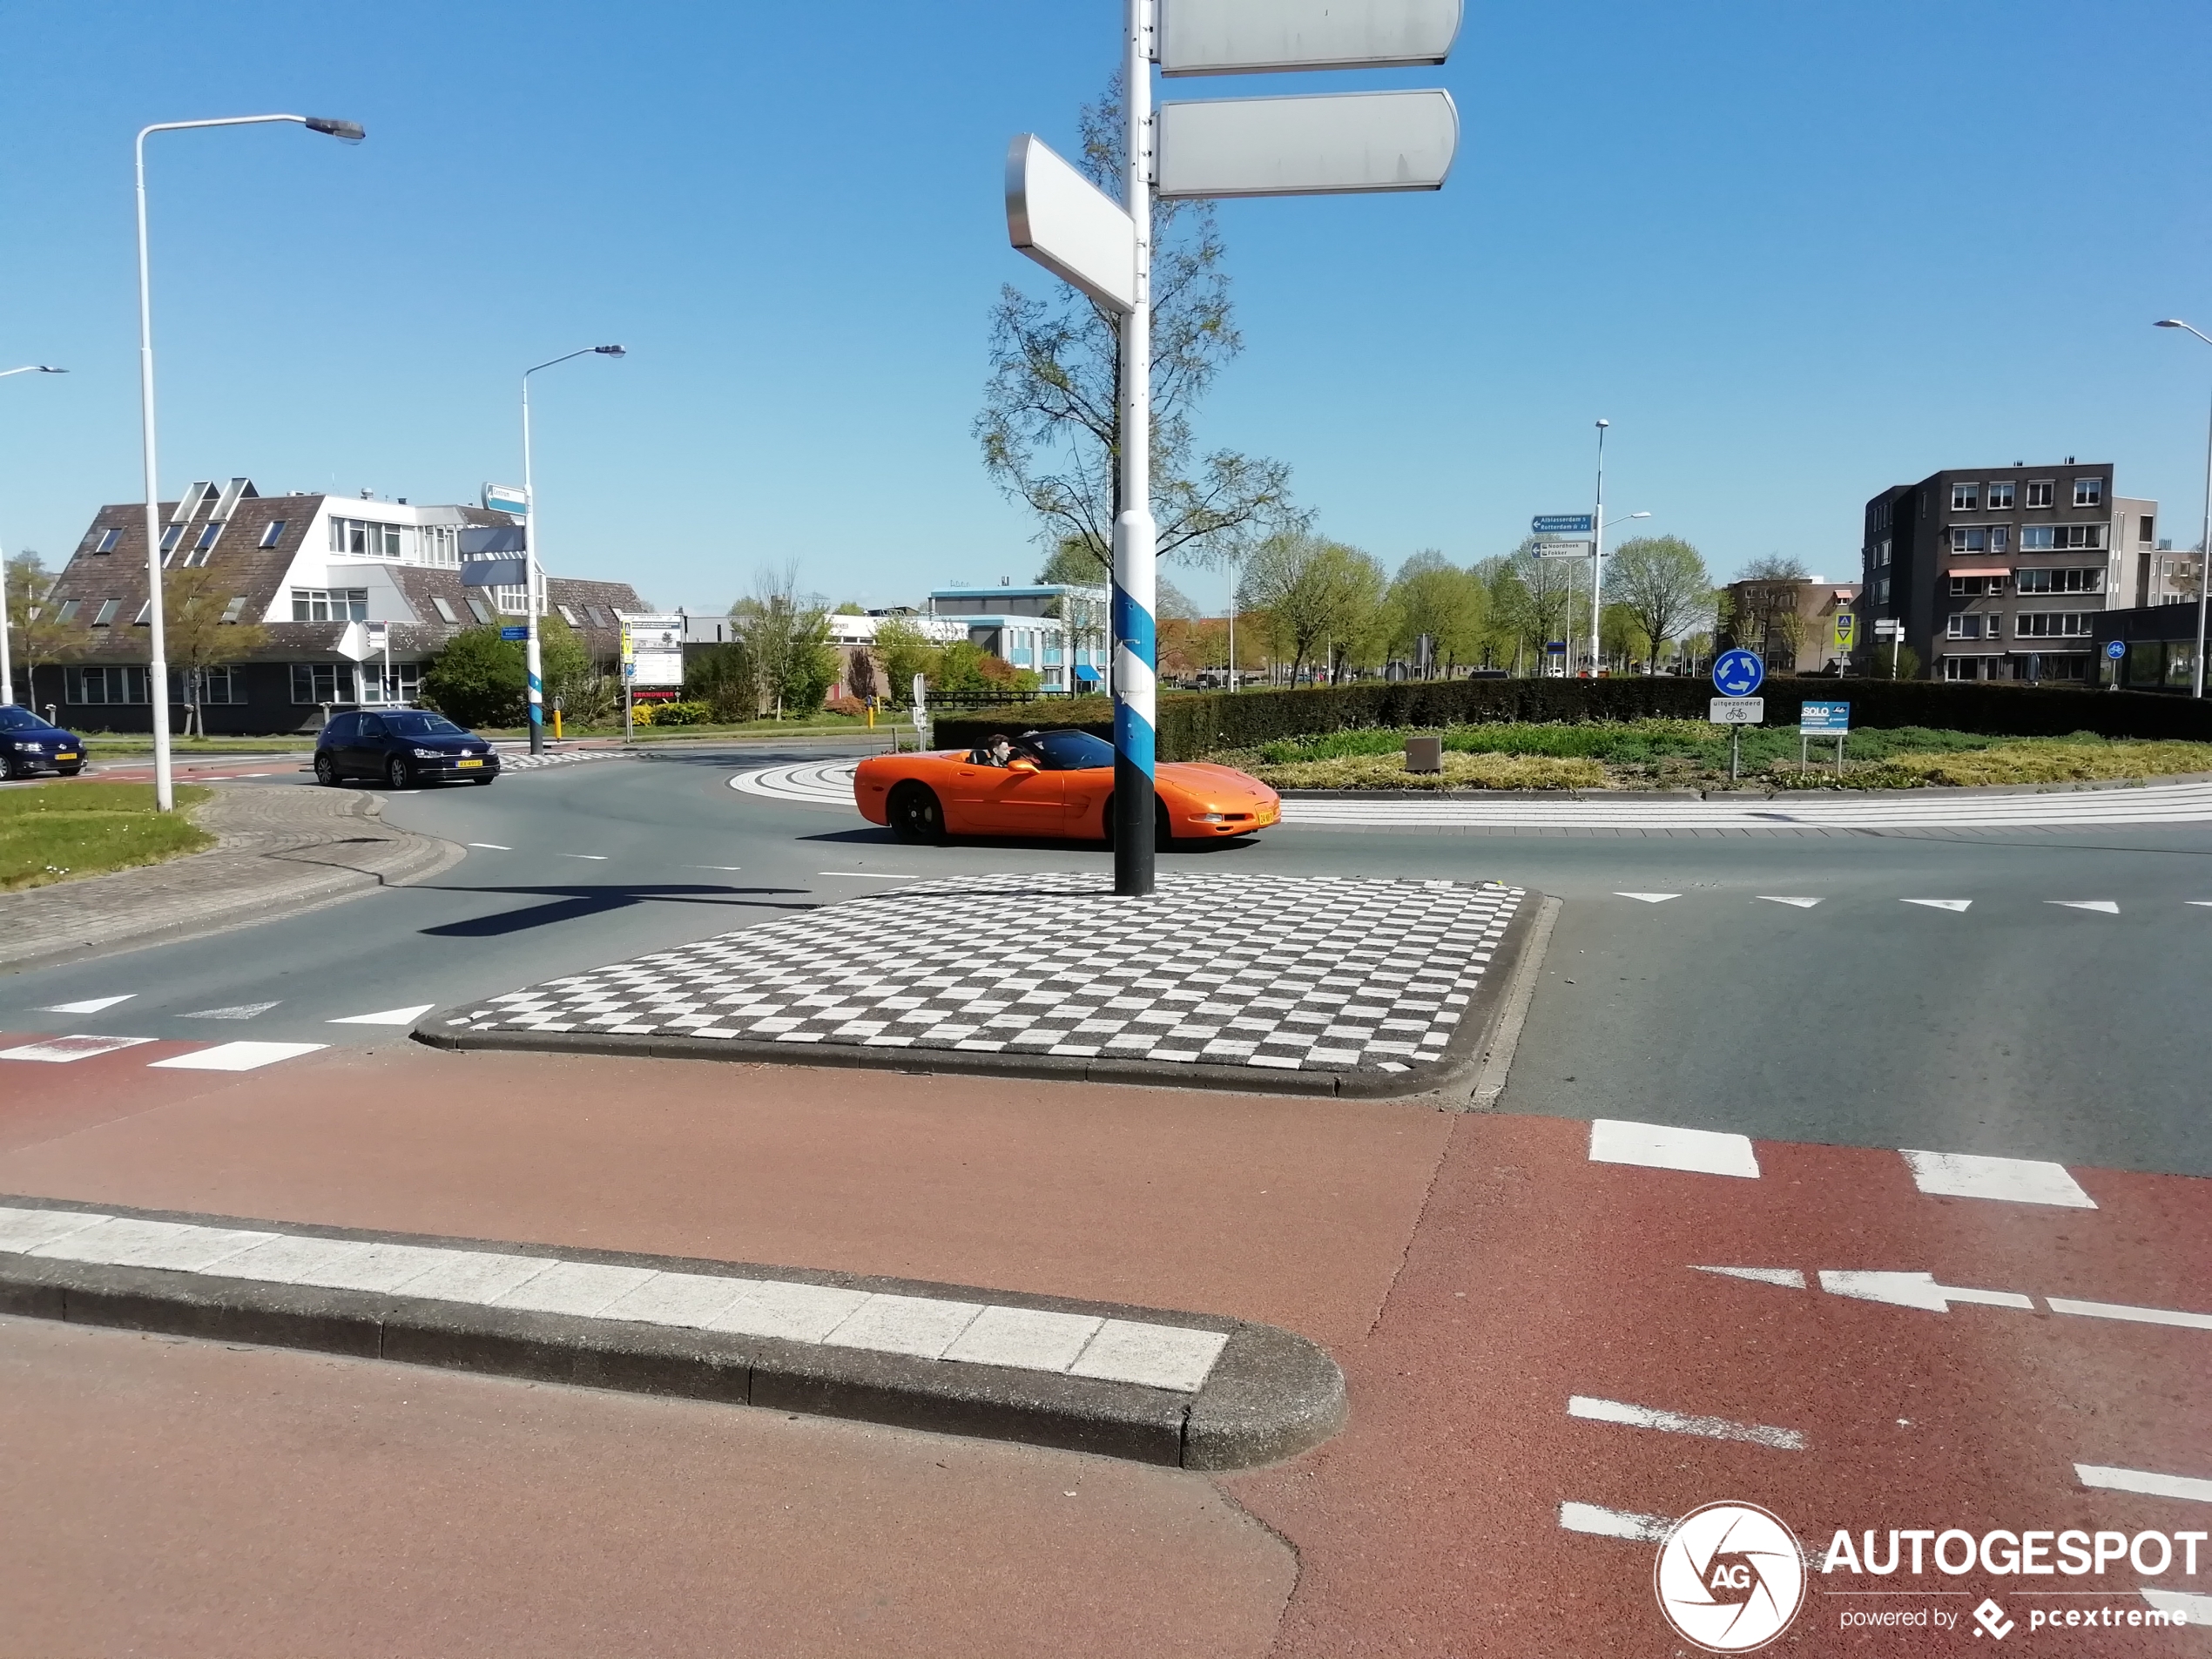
[1737,673]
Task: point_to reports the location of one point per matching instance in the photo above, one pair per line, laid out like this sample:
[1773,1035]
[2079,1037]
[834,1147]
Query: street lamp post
[157,644]
[533,572]
[2204,547]
[7,667]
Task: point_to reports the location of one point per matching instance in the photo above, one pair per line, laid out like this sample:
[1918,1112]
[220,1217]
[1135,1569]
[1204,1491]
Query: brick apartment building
[312,568]
[1998,572]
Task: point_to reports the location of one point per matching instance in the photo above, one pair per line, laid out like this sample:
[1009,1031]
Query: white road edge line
[2150,1485]
[1497,1061]
[491,847]
[1614,1523]
[597,858]
[871,875]
[2134,1315]
[1591,1410]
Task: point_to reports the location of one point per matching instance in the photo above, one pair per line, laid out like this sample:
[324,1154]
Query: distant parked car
[402,747]
[29,744]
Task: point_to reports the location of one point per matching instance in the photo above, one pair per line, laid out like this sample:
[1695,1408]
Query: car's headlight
[31,748]
[429,754]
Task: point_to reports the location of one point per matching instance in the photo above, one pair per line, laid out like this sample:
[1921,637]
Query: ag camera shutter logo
[1730,1578]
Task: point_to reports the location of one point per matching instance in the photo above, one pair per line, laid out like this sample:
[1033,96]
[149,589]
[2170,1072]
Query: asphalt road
[2019,1026]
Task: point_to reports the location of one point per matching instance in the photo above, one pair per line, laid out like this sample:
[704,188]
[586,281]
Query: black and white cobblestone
[1328,975]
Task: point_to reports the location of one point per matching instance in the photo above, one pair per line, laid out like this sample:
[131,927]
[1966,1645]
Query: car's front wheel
[326,772]
[398,773]
[915,813]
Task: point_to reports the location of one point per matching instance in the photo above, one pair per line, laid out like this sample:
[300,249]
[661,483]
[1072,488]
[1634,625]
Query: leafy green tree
[905,651]
[1433,596]
[1050,426]
[723,678]
[1323,598]
[786,636]
[479,679]
[37,636]
[193,604]
[1506,627]
[1663,582]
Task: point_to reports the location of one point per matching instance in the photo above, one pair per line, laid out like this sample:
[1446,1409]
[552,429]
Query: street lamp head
[47,368]
[2169,322]
[610,351]
[1605,424]
[344,132]
[1639,516]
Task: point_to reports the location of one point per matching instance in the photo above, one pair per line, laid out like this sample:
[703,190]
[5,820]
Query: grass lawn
[104,744]
[1688,753]
[57,831]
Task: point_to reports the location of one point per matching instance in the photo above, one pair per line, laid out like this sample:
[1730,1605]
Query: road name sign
[1737,710]
[1325,143]
[511,632]
[1254,36]
[2115,649]
[1555,647]
[1887,627]
[1068,225]
[1564,549]
[505,498]
[1561,525]
[1737,673]
[1831,719]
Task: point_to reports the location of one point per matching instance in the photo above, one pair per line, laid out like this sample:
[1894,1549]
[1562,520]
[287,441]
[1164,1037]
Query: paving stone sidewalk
[279,850]
[1364,980]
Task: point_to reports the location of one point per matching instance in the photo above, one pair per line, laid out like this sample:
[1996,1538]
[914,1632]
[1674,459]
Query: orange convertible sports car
[1051,784]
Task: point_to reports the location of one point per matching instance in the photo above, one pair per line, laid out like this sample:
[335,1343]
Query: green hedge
[1197,723]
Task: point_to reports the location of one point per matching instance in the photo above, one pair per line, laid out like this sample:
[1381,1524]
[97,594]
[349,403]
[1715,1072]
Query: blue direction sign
[1831,719]
[2115,649]
[1560,524]
[514,633]
[1737,673]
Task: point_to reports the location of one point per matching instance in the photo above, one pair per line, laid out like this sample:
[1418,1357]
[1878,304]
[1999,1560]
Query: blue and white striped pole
[1135,536]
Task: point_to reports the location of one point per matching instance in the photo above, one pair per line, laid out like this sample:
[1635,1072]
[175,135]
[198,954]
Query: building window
[1973,587]
[225,685]
[400,685]
[106,614]
[2056,665]
[1973,539]
[1965,627]
[68,612]
[2076,580]
[272,532]
[2145,530]
[362,539]
[1882,554]
[108,539]
[512,602]
[1972,668]
[480,610]
[2051,624]
[322,683]
[2039,492]
[1882,590]
[1966,498]
[2001,497]
[236,609]
[2088,492]
[117,683]
[438,544]
[145,610]
[444,611]
[567,615]
[169,537]
[598,620]
[330,604]
[2000,537]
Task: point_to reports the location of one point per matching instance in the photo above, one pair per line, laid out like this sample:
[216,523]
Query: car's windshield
[1068,750]
[417,725]
[16,719]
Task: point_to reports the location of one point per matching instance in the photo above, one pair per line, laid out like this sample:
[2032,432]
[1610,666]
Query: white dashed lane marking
[62,1051]
[1801,904]
[1700,1152]
[2145,1482]
[1961,1175]
[1648,898]
[1592,1410]
[490,847]
[237,1011]
[1941,904]
[2131,1315]
[1789,1278]
[388,1016]
[1614,1523]
[235,1056]
[2103,906]
[92,1005]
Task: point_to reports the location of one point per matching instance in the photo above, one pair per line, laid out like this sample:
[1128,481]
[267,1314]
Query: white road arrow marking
[2206,903]
[389,1017]
[1941,904]
[1712,1428]
[1913,1291]
[92,1006]
[1789,1279]
[2132,1315]
[1614,1523]
[2103,906]
[1801,904]
[1648,898]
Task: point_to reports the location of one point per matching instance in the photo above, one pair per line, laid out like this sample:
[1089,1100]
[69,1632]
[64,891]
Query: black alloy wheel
[327,771]
[916,815]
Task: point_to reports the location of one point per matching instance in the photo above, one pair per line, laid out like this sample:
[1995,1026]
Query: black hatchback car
[29,744]
[402,747]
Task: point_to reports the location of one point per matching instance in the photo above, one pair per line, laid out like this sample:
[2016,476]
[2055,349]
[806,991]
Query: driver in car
[996,752]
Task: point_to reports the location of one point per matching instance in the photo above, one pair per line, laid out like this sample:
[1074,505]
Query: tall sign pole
[1135,536]
[1597,555]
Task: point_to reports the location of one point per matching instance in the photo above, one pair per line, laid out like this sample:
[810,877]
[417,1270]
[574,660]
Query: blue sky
[1794,254]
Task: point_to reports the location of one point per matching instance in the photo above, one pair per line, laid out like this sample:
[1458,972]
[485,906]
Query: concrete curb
[1462,1057]
[1940,791]
[280,852]
[1270,1395]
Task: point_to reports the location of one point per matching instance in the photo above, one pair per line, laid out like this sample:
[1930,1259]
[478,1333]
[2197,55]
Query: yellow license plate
[472,763]
[71,755]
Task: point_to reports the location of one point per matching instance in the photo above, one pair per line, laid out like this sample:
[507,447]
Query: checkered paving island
[1349,975]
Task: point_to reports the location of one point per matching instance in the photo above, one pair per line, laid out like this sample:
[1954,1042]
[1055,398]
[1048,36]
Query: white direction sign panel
[1068,225]
[1737,710]
[1317,145]
[1564,549]
[1247,36]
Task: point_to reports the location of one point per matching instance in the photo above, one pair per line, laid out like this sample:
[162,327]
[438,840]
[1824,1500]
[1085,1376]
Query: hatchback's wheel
[915,813]
[398,773]
[327,771]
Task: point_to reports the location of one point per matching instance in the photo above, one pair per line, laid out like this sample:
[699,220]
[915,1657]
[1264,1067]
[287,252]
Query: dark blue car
[28,746]
[402,747]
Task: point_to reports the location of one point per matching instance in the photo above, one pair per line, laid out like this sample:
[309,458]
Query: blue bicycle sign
[1737,673]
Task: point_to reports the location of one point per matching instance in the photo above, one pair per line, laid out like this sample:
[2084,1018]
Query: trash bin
[1425,754]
